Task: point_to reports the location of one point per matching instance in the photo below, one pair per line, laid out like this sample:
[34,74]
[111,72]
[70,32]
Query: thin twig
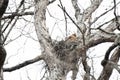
[17,10]
[106,31]
[103,14]
[65,23]
[50,2]
[116,17]
[64,17]
[71,18]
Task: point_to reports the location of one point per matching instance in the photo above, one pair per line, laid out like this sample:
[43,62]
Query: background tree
[61,57]
[3,6]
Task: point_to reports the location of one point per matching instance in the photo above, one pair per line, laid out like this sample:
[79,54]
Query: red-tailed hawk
[71,41]
[72,38]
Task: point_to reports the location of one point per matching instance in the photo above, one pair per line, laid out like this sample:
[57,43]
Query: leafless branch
[106,31]
[77,9]
[50,2]
[70,18]
[106,58]
[88,12]
[108,68]
[115,11]
[3,6]
[65,18]
[17,10]
[17,14]
[103,14]
[53,16]
[116,17]
[44,74]
[65,24]
[38,58]
[116,66]
[10,30]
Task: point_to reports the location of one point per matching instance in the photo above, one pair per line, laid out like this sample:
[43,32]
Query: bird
[71,41]
[71,38]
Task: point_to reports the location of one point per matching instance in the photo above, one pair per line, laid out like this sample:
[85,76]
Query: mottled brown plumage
[72,38]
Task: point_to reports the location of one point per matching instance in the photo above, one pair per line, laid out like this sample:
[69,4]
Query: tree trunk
[59,58]
[54,65]
[63,56]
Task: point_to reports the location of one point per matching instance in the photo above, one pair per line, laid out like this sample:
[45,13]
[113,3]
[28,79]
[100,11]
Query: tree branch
[103,14]
[70,18]
[100,37]
[106,58]
[50,2]
[41,29]
[17,14]
[88,12]
[77,10]
[116,17]
[107,70]
[21,65]
[3,6]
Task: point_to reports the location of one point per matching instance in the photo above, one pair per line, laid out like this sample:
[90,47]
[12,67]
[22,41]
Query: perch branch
[19,66]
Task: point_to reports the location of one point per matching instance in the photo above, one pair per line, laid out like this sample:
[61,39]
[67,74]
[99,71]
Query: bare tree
[60,66]
[63,56]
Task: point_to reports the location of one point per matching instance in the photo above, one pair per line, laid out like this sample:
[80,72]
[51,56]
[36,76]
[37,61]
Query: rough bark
[108,68]
[58,65]
[55,72]
[88,40]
